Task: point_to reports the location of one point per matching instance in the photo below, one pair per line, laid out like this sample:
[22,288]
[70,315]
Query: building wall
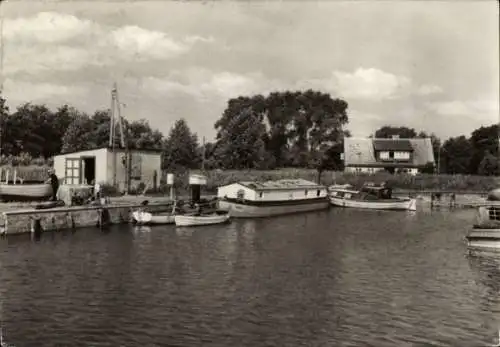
[100,158]
[231,191]
[149,162]
[372,170]
[146,163]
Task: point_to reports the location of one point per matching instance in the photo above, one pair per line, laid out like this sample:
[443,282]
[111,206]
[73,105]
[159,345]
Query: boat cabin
[280,190]
[367,192]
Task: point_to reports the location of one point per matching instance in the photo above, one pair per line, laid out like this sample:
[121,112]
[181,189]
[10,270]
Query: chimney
[395,137]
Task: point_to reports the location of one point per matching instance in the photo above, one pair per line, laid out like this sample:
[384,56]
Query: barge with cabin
[248,199]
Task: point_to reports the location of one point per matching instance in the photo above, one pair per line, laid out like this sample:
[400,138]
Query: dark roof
[392,145]
[151,150]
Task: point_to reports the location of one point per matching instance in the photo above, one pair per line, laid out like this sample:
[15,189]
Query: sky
[431,65]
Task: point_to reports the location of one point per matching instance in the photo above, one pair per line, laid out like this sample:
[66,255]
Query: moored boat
[146,218]
[188,220]
[485,233]
[370,197]
[272,198]
[30,192]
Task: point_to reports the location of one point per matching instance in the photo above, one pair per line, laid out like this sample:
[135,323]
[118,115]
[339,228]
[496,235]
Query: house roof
[150,150]
[392,145]
[360,152]
[285,184]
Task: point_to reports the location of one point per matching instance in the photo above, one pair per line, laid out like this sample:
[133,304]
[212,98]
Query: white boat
[370,197]
[146,218]
[201,219]
[263,199]
[25,191]
[485,234]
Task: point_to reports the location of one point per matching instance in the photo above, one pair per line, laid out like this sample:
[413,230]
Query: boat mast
[203,156]
[112,131]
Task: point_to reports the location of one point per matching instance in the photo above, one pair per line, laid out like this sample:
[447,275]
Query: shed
[109,166]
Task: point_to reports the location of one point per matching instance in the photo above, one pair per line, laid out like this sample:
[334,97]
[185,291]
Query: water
[332,278]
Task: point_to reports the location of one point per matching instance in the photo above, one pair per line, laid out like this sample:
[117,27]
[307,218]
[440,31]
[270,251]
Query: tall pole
[112,132]
[1,75]
[203,156]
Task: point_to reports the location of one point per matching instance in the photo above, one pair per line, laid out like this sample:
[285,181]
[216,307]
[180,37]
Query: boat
[370,197]
[189,220]
[142,217]
[147,218]
[246,199]
[25,192]
[485,233]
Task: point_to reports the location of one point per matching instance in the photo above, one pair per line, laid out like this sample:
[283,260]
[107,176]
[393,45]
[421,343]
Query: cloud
[204,83]
[20,91]
[55,41]
[46,27]
[476,109]
[141,43]
[428,89]
[371,83]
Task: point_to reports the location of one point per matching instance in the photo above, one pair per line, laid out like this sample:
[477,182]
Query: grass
[465,183]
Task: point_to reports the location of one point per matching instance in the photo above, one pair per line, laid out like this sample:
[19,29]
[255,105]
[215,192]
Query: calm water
[332,278]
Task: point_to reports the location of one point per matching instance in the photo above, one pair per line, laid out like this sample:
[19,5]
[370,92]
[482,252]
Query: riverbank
[424,182]
[216,178]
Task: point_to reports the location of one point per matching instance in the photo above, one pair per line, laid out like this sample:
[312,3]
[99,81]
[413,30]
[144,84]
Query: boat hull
[191,221]
[25,192]
[248,210]
[146,218]
[484,238]
[396,205]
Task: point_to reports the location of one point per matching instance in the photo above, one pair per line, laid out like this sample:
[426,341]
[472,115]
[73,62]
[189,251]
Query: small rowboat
[217,217]
[145,218]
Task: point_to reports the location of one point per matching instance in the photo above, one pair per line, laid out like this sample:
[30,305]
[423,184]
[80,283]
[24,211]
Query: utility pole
[1,77]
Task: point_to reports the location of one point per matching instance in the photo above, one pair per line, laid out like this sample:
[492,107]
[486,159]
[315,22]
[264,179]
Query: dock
[23,220]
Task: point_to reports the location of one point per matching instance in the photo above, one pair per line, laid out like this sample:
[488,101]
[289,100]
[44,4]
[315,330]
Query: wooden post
[15,176]
[7,172]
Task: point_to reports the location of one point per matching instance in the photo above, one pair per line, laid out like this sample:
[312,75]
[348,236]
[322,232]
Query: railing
[15,178]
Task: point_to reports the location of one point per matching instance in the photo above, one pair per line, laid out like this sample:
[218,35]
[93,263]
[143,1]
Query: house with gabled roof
[395,155]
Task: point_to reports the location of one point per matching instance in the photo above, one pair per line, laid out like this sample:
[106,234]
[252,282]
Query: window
[318,192]
[384,155]
[306,192]
[72,171]
[240,194]
[260,195]
[391,155]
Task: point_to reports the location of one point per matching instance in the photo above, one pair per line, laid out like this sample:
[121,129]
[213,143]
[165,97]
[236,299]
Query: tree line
[303,129]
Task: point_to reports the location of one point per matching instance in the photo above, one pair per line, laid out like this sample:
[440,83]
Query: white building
[369,155]
[106,166]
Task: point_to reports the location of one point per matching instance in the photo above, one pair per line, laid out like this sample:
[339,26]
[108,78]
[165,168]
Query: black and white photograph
[249,173]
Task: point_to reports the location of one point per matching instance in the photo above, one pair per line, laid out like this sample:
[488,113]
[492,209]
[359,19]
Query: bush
[218,178]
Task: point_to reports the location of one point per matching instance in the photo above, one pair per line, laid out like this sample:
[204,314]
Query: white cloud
[428,89]
[46,27]
[142,43]
[373,84]
[476,109]
[20,91]
[58,41]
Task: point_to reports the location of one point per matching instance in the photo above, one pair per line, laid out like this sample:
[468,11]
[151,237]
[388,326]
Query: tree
[80,134]
[181,147]
[483,140]
[296,128]
[489,165]
[241,144]
[387,131]
[456,155]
